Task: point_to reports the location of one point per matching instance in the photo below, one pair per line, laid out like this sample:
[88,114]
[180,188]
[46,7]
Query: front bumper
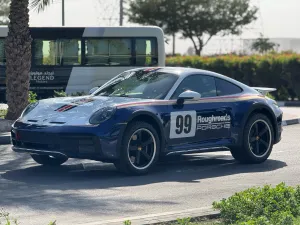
[74,142]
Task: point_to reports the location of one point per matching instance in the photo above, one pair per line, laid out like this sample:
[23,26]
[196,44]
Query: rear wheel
[258,140]
[47,160]
[140,149]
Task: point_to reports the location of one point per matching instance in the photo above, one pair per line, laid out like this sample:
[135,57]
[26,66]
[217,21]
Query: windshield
[139,84]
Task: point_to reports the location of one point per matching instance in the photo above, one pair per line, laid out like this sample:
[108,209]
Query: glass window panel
[108,52]
[2,52]
[146,52]
[204,85]
[57,52]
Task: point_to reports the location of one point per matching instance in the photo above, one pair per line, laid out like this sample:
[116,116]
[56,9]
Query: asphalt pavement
[83,191]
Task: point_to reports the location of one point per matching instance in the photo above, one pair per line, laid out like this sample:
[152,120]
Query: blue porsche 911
[147,113]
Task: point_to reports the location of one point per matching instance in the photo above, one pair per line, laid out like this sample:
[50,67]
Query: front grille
[69,144]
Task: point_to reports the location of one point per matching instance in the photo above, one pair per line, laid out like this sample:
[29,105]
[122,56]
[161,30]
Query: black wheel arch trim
[254,107]
[134,115]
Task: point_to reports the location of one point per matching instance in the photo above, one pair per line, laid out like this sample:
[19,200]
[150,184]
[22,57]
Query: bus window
[146,52]
[70,51]
[2,52]
[57,52]
[108,52]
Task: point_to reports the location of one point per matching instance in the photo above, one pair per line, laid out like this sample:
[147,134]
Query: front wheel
[140,149]
[258,140]
[47,160]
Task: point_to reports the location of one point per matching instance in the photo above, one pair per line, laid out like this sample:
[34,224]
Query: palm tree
[18,55]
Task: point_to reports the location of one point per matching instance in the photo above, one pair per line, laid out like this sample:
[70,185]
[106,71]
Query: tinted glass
[146,52]
[226,88]
[57,52]
[108,52]
[2,52]
[204,85]
[139,84]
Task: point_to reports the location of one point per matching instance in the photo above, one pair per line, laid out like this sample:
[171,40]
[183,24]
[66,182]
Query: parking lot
[87,191]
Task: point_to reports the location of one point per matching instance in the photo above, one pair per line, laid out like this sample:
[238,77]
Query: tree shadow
[61,187]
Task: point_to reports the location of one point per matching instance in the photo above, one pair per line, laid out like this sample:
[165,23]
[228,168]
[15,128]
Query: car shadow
[190,168]
[65,188]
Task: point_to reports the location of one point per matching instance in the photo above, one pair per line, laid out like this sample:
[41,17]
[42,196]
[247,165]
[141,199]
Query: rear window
[226,88]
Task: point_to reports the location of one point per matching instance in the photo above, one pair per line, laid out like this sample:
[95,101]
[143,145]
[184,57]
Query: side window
[57,52]
[2,52]
[204,85]
[146,52]
[108,52]
[226,88]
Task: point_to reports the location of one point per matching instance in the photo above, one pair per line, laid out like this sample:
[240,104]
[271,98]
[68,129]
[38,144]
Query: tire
[135,161]
[258,141]
[46,160]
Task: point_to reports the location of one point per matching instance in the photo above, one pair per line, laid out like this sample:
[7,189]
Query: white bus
[74,59]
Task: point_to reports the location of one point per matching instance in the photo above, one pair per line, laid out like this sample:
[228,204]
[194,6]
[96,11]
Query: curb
[5,125]
[5,139]
[195,213]
[288,103]
[290,122]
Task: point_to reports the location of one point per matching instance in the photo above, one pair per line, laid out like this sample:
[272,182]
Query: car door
[201,121]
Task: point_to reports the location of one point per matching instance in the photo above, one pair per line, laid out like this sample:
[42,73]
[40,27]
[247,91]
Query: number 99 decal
[183,124]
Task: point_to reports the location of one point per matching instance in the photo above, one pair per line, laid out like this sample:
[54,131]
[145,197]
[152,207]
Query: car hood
[71,110]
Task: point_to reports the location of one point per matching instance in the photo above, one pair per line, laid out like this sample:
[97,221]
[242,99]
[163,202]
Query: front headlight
[29,108]
[102,115]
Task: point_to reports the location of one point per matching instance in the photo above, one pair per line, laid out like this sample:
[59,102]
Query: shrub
[58,94]
[3,113]
[277,206]
[32,98]
[281,71]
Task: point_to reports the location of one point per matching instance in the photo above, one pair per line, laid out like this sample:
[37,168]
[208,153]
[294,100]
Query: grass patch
[3,113]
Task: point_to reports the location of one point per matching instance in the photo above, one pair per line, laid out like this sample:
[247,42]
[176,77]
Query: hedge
[281,71]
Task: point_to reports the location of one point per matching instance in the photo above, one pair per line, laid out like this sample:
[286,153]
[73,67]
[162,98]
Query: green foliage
[32,97]
[263,45]
[261,206]
[280,71]
[195,19]
[58,94]
[3,113]
[184,221]
[127,222]
[6,218]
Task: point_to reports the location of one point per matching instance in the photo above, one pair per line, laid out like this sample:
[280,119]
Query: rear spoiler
[264,91]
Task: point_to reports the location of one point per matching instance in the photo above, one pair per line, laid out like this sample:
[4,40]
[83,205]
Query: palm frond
[39,5]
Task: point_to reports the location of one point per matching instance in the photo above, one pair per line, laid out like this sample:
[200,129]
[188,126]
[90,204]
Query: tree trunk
[174,37]
[18,59]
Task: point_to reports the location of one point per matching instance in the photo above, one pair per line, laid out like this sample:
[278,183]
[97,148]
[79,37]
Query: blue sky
[277,19]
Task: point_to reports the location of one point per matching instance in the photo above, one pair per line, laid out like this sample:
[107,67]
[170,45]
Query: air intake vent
[58,122]
[34,121]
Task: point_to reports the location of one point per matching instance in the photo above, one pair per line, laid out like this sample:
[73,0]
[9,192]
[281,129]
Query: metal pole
[121,12]
[63,12]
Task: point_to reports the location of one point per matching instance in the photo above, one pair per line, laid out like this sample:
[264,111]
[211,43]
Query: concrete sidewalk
[291,115]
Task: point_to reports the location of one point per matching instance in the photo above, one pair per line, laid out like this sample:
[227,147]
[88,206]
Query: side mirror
[93,90]
[188,95]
